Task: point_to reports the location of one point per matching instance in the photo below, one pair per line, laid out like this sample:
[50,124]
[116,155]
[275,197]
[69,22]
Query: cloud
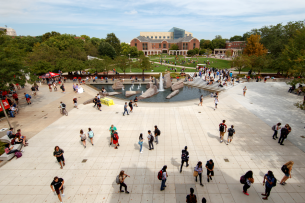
[133,12]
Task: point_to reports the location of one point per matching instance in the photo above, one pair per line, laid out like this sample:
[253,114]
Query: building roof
[183,39]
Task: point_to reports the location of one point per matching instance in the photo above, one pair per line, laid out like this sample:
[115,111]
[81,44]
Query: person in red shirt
[15,96]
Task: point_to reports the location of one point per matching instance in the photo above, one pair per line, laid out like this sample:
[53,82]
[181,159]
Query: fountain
[142,91]
[138,87]
[140,84]
[122,88]
[130,88]
[161,89]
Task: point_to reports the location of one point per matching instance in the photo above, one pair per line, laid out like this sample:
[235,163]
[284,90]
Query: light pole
[129,63]
[2,106]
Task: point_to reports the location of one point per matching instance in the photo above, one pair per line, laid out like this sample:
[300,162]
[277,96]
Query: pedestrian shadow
[175,163]
[213,136]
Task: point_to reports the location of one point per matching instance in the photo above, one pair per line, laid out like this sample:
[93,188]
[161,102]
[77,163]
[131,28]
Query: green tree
[236,38]
[202,52]
[134,52]
[87,38]
[142,63]
[241,62]
[174,47]
[191,52]
[259,63]
[95,65]
[114,42]
[228,53]
[196,50]
[125,48]
[123,63]
[96,41]
[105,49]
[48,35]
[218,43]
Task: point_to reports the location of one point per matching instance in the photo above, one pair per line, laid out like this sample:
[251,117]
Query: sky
[127,18]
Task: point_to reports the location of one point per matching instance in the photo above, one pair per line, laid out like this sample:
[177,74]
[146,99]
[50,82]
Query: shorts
[57,190]
[75,104]
[28,99]
[61,158]
[287,175]
[210,172]
[16,99]
[230,137]
[216,104]
[82,139]
[222,134]
[33,92]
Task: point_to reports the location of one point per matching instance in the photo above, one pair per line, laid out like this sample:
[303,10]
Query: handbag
[195,174]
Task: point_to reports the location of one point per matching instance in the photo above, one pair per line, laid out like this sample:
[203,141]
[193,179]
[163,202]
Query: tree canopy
[105,49]
[114,42]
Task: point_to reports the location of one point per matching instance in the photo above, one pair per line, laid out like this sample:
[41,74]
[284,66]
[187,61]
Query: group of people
[15,139]
[83,136]
[284,131]
[131,104]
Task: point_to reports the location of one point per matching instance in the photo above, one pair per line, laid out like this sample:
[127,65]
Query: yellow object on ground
[107,101]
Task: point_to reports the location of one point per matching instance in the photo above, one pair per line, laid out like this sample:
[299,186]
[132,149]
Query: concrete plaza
[182,124]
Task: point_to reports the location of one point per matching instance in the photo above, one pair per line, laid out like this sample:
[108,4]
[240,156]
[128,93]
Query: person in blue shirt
[269,181]
[28,98]
[125,109]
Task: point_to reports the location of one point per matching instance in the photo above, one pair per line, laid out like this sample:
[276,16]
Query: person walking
[115,138]
[141,142]
[248,181]
[130,106]
[210,169]
[122,177]
[58,184]
[269,182]
[222,130]
[244,91]
[184,158]
[200,100]
[75,102]
[59,154]
[28,98]
[83,137]
[62,87]
[284,133]
[216,101]
[276,128]
[157,133]
[150,140]
[95,101]
[125,109]
[112,128]
[191,198]
[164,178]
[90,135]
[286,168]
[198,172]
[135,101]
[231,132]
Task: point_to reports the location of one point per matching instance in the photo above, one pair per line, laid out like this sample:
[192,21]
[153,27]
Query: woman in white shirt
[83,137]
[198,168]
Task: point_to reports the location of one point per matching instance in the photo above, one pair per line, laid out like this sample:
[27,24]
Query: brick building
[156,43]
[236,48]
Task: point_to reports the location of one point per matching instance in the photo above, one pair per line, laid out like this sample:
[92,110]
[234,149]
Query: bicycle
[63,111]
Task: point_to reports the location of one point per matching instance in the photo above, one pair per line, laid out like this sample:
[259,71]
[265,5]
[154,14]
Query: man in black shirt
[95,101]
[210,169]
[184,158]
[130,105]
[157,134]
[58,184]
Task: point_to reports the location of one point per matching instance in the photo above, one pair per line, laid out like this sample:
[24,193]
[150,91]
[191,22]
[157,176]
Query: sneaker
[122,191]
[211,177]
[85,146]
[110,143]
[21,151]
[126,192]
[63,195]
[227,143]
[201,184]
[221,141]
[246,193]
[208,180]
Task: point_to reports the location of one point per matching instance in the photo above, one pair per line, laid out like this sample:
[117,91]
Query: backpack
[151,138]
[160,175]
[191,199]
[285,169]
[230,132]
[13,141]
[117,180]
[115,136]
[159,132]
[18,154]
[242,180]
[30,97]
[63,105]
[184,155]
[273,127]
[90,134]
[221,128]
[61,87]
[274,183]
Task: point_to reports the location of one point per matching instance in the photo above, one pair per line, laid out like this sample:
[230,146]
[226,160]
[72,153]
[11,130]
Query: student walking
[216,101]
[286,168]
[83,137]
[91,135]
[198,172]
[248,177]
[231,132]
[210,169]
[200,100]
[157,134]
[150,140]
[95,101]
[222,130]
[244,91]
[164,178]
[191,198]
[122,177]
[276,128]
[130,106]
[62,87]
[28,98]
[115,138]
[141,142]
[112,128]
[59,154]
[284,134]
[135,101]
[125,109]
[75,102]
[58,184]
[270,181]
[184,158]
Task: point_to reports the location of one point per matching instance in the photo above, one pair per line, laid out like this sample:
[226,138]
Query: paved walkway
[182,123]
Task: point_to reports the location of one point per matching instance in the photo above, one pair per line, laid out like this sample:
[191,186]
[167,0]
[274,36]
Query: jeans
[123,185]
[13,151]
[200,177]
[125,110]
[281,140]
[163,184]
[157,141]
[182,162]
[246,187]
[151,145]
[267,190]
[141,145]
[11,113]
[275,134]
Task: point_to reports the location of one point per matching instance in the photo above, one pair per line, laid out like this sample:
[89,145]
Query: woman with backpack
[122,177]
[9,150]
[286,168]
[248,181]
[270,181]
[83,137]
[164,177]
[115,139]
[198,171]
[191,198]
[91,135]
[276,128]
[141,142]
[58,153]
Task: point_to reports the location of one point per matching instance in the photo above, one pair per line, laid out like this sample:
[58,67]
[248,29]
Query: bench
[5,139]
[7,157]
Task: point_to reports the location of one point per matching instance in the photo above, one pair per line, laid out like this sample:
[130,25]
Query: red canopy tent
[5,104]
[49,75]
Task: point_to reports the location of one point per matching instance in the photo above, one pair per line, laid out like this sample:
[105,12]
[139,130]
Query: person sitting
[11,112]
[18,140]
[9,149]
[10,133]
[291,89]
[23,137]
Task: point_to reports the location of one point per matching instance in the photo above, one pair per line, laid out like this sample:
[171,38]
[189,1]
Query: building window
[163,37]
[144,46]
[156,37]
[147,36]
[167,37]
[152,37]
[164,46]
[135,44]
[186,46]
[135,40]
[194,45]
[183,46]
[159,45]
[169,45]
[159,37]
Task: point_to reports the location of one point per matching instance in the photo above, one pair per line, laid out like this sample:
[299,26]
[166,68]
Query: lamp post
[129,62]
[8,121]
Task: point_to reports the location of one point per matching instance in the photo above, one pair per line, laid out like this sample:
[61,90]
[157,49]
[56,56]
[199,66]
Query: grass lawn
[156,68]
[263,71]
[2,146]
